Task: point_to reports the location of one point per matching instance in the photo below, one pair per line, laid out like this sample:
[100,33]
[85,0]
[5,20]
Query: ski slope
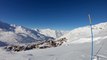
[78,51]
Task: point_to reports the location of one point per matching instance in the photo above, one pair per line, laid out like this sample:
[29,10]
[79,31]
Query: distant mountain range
[51,33]
[13,34]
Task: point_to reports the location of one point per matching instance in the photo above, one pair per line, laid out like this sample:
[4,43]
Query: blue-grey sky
[55,14]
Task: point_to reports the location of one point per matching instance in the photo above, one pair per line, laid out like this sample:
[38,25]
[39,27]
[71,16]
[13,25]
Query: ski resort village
[53,30]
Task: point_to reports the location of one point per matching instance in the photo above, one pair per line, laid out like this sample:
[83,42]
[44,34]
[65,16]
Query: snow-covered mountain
[51,33]
[13,34]
[78,48]
[82,33]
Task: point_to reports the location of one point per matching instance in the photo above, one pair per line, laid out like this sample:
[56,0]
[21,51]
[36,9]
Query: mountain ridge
[51,32]
[18,34]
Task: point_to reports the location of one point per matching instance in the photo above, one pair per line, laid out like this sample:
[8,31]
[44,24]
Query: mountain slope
[13,34]
[51,33]
[83,33]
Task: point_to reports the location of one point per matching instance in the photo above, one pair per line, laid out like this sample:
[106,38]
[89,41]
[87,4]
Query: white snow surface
[77,47]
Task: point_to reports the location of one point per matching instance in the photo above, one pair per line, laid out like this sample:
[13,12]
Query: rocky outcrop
[39,45]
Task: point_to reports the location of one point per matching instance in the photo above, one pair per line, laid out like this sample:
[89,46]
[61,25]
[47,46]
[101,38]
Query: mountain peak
[12,33]
[51,32]
[5,26]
